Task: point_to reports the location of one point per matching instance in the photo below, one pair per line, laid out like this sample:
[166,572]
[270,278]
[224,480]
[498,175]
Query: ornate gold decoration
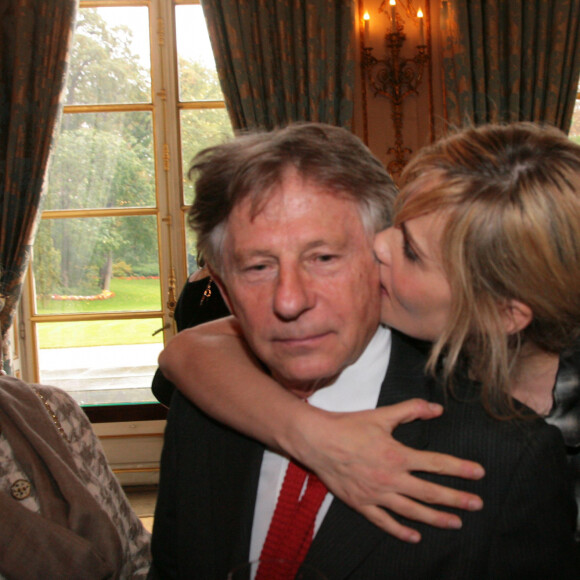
[395,78]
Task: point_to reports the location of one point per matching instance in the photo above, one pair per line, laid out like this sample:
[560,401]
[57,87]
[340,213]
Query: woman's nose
[382,246]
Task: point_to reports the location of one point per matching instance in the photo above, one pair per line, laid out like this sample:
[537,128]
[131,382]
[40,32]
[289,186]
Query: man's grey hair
[254,165]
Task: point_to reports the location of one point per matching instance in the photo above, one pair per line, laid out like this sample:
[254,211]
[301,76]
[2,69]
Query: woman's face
[415,293]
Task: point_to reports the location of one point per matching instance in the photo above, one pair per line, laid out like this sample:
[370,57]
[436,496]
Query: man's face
[302,280]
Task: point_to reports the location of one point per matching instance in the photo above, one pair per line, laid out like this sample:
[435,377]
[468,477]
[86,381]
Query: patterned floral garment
[93,469]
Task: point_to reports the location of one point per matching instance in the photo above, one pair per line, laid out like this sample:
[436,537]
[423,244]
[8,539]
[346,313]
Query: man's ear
[516,316]
[222,288]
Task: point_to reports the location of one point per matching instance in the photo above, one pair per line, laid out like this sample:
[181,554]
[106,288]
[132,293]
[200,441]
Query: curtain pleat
[281,61]
[511,61]
[35,38]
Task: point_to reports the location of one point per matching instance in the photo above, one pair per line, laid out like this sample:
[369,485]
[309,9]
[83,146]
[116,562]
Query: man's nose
[293,294]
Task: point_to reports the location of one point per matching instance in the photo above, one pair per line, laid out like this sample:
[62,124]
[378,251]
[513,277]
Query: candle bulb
[366,19]
[393,5]
[421,31]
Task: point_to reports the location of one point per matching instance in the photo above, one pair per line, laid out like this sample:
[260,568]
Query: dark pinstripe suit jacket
[209,477]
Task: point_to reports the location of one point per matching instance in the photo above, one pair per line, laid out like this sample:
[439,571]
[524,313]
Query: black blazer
[209,478]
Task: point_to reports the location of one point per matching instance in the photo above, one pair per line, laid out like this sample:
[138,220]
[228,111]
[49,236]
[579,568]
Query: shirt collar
[358,386]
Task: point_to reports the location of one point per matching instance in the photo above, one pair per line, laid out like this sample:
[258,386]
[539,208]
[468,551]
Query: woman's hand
[363,465]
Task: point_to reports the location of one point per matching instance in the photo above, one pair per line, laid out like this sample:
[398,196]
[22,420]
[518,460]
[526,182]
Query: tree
[103,68]
[46,262]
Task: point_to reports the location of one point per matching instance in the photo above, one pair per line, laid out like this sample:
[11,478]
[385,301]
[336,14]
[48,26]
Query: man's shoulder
[470,426]
[190,426]
[465,419]
[187,414]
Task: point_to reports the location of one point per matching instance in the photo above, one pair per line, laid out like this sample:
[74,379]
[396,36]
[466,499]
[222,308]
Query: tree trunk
[107,272]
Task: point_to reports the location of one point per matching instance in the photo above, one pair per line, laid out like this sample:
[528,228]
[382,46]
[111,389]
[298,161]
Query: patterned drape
[515,60]
[35,36]
[284,60]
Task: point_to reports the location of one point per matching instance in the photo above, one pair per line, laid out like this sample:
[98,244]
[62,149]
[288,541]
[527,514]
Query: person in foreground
[290,244]
[64,514]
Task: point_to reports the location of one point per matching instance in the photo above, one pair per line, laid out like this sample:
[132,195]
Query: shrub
[122,270]
[151,269]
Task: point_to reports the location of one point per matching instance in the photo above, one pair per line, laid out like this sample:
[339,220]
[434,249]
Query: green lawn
[129,295]
[139,295]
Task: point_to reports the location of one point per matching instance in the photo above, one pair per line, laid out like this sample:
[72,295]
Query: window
[112,249]
[574,133]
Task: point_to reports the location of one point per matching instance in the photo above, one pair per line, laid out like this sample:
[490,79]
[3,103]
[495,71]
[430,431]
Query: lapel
[235,462]
[345,538]
[253,461]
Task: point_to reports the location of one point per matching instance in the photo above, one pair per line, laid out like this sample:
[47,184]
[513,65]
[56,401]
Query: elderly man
[286,221]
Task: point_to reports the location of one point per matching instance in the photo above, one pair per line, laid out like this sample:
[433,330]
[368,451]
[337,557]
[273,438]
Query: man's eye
[325,258]
[255,268]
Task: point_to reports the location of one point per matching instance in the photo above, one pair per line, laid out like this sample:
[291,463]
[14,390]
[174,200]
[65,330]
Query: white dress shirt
[356,389]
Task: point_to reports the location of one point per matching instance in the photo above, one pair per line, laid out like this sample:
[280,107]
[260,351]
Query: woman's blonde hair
[512,197]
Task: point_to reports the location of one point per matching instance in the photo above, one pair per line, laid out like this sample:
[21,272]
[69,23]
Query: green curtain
[516,60]
[35,37]
[284,60]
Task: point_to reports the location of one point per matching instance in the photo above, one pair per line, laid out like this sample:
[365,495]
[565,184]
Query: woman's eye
[325,258]
[408,251]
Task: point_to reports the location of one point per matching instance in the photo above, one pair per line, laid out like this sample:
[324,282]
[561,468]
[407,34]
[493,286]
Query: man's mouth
[302,341]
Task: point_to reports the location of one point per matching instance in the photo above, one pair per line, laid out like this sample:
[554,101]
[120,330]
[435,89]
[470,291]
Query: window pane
[106,264]
[111,57]
[103,160]
[190,243]
[574,133]
[198,80]
[100,362]
[201,128]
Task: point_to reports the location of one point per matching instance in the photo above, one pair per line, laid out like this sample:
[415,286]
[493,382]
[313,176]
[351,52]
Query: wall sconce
[393,76]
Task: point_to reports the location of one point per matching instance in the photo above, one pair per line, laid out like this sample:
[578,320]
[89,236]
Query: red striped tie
[292,527]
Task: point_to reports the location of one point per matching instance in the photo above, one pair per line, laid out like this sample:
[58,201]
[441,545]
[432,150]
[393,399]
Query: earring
[206,292]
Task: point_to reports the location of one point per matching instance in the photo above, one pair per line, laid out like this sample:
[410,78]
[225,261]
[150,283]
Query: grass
[139,295]
[129,295]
